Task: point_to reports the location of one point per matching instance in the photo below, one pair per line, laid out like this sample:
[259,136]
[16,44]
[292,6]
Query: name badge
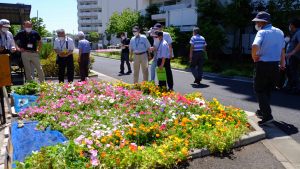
[136,51]
[29,45]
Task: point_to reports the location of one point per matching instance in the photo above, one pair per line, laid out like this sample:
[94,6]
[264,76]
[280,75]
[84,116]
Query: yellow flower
[134,134]
[157,135]
[165,147]
[214,99]
[140,148]
[83,142]
[160,150]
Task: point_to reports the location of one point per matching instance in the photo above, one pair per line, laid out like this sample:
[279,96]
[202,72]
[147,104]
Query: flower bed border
[75,77]
[249,138]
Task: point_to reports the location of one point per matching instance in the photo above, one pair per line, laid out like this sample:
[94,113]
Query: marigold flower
[157,135]
[103,155]
[179,160]
[236,126]
[87,165]
[112,156]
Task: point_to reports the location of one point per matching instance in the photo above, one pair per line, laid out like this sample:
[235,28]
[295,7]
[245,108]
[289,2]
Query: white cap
[80,33]
[5,23]
[151,30]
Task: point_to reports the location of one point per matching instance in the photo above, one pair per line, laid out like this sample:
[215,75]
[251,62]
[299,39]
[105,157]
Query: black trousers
[294,70]
[167,66]
[62,64]
[197,60]
[125,58]
[83,66]
[264,77]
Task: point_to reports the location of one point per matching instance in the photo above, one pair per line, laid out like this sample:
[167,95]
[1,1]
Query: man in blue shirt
[163,53]
[29,51]
[198,45]
[84,55]
[268,50]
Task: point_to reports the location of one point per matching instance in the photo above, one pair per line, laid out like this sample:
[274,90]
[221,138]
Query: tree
[210,16]
[237,15]
[39,26]
[108,36]
[124,22]
[281,12]
[152,9]
[178,39]
[14,29]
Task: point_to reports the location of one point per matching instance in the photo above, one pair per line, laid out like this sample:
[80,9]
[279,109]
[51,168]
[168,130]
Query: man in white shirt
[64,47]
[140,46]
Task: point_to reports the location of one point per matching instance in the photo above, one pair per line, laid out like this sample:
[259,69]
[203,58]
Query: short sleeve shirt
[84,45]
[139,45]
[26,39]
[163,49]
[126,41]
[295,40]
[270,42]
[7,40]
[167,37]
[62,45]
[199,42]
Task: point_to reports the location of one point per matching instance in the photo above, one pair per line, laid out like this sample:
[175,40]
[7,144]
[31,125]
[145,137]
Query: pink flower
[151,120]
[166,119]
[141,112]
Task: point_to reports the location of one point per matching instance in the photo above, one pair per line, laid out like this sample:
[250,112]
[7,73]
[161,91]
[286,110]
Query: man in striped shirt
[198,45]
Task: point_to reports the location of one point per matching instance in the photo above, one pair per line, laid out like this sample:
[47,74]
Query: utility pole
[37,21]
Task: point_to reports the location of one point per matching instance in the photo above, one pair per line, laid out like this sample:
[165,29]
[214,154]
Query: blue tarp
[24,101]
[27,139]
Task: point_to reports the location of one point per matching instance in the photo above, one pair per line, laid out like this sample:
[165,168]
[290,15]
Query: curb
[252,137]
[238,78]
[75,77]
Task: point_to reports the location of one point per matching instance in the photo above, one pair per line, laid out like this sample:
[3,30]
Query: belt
[30,51]
[198,51]
[140,53]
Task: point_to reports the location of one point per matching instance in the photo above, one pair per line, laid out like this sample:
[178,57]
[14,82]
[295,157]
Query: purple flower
[177,112]
[162,109]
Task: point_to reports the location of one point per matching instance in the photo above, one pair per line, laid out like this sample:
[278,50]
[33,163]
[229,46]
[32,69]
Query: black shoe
[198,81]
[121,72]
[259,114]
[195,81]
[129,72]
[265,121]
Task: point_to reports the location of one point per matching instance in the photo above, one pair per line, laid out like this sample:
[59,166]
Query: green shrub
[46,51]
[234,72]
[27,89]
[51,68]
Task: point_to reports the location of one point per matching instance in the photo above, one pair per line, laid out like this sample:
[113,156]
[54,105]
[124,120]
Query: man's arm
[163,60]
[191,51]
[18,49]
[40,45]
[149,53]
[204,48]
[170,49]
[294,51]
[131,51]
[80,52]
[282,58]
[255,57]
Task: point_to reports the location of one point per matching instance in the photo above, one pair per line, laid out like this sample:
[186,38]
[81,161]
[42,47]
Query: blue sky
[56,14]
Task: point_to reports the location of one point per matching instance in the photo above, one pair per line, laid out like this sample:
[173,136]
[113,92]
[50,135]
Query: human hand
[13,49]
[79,59]
[149,57]
[160,67]
[130,60]
[281,67]
[289,54]
[191,57]
[22,50]
[256,60]
[170,56]
[37,51]
[63,55]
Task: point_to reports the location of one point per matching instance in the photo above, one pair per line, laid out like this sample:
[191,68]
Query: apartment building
[94,14]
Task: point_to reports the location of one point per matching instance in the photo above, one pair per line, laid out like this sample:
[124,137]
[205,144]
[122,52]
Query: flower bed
[122,125]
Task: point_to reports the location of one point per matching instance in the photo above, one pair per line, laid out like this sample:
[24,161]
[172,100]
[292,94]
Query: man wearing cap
[140,46]
[6,39]
[294,53]
[125,53]
[163,55]
[268,49]
[168,39]
[84,55]
[29,51]
[64,47]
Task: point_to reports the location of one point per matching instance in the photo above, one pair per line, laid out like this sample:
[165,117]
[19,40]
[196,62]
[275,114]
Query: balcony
[87,6]
[86,0]
[89,21]
[88,13]
[88,28]
[84,21]
[96,21]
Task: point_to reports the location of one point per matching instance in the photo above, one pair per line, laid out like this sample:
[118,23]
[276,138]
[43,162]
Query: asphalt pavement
[285,108]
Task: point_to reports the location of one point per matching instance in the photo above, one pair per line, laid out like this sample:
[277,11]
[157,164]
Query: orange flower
[112,156]
[236,126]
[218,134]
[179,160]
[247,125]
[206,136]
[103,155]
[87,165]
[239,122]
[80,151]
[118,160]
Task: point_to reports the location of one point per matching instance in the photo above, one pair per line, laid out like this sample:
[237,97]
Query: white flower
[111,100]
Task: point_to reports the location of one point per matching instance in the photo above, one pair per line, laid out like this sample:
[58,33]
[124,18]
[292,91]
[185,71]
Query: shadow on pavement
[199,86]
[278,98]
[287,128]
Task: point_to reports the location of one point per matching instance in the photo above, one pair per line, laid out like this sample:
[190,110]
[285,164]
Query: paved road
[286,108]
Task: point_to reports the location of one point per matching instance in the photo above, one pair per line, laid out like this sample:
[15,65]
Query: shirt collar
[268,26]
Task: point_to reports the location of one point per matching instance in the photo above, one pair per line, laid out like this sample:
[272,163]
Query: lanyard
[61,45]
[136,44]
[28,37]
[159,50]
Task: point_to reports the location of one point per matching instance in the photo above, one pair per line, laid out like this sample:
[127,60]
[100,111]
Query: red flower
[38,100]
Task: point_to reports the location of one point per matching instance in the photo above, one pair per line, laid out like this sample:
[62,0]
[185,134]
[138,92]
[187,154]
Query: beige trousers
[143,61]
[34,59]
